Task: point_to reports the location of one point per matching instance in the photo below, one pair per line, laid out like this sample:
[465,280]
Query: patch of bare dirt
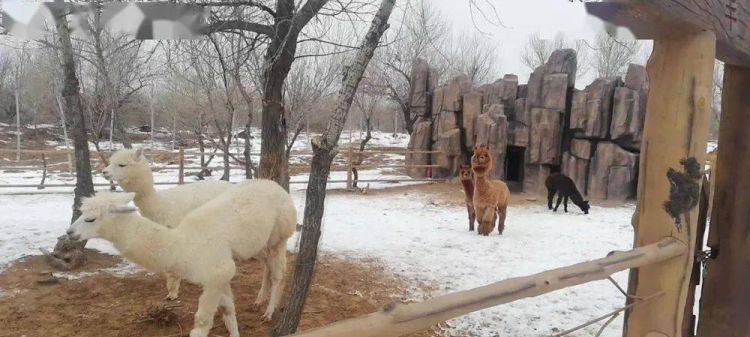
[123,306]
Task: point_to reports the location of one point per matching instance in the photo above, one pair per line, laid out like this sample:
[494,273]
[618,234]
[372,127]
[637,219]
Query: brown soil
[106,305]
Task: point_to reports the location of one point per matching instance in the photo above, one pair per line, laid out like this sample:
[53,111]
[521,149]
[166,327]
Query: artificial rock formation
[592,135]
[420,140]
[612,172]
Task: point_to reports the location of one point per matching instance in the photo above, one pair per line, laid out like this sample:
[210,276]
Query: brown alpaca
[490,196]
[467,180]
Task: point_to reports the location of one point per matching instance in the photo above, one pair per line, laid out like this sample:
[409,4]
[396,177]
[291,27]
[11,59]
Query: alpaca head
[465,173]
[97,212]
[127,165]
[585,207]
[481,161]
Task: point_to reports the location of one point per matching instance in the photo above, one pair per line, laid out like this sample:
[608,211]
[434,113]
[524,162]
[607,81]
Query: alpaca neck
[142,241]
[576,197]
[481,183]
[142,186]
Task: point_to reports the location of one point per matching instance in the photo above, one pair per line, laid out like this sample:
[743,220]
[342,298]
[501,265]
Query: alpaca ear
[138,154]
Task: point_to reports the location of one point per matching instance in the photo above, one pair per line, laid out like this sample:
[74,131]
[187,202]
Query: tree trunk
[109,87]
[248,158]
[294,139]
[688,323]
[120,132]
[324,149]
[66,251]
[18,124]
[360,157]
[273,161]
[278,61]
[725,304]
[225,158]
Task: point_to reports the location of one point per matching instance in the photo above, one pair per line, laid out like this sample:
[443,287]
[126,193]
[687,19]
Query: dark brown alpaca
[467,180]
[564,187]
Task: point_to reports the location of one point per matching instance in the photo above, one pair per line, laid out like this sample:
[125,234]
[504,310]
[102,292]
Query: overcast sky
[522,18]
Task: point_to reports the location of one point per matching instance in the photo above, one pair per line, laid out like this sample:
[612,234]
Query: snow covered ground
[424,242]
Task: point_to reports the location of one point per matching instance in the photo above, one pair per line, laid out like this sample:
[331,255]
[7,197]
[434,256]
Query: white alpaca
[239,223]
[130,169]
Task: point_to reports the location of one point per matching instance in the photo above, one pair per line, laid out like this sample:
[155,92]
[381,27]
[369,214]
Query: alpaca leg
[173,286]
[207,305]
[471,217]
[565,204]
[230,315]
[550,196]
[501,211]
[277,264]
[559,200]
[479,213]
[265,287]
[486,216]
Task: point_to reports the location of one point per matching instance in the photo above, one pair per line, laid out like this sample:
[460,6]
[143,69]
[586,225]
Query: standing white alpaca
[130,169]
[240,223]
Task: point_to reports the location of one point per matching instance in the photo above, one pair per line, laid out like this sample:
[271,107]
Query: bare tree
[282,29]
[612,56]
[69,254]
[366,102]
[423,33]
[324,149]
[204,56]
[118,67]
[310,80]
[537,51]
[476,58]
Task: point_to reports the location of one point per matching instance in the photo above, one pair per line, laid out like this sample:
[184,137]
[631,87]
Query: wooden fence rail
[401,319]
[39,186]
[354,159]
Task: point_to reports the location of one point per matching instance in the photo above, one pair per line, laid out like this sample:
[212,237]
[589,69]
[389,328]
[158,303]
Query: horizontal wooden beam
[652,19]
[401,319]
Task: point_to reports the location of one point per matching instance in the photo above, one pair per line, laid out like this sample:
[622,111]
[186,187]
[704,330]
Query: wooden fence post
[44,172]
[181,178]
[680,74]
[725,302]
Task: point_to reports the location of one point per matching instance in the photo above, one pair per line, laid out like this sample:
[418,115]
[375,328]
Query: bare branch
[229,25]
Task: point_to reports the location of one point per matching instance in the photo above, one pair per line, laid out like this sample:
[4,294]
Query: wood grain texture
[681,72]
[725,302]
[651,19]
